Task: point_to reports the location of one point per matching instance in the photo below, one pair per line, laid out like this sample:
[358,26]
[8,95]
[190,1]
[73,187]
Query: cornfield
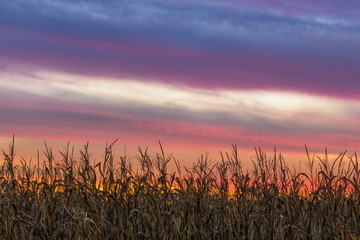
[73,197]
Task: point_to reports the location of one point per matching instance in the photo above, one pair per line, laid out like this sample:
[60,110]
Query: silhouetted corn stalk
[75,197]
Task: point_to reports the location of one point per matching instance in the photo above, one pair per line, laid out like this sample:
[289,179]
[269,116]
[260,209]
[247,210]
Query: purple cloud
[204,44]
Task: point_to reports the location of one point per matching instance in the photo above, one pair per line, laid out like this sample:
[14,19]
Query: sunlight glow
[119,92]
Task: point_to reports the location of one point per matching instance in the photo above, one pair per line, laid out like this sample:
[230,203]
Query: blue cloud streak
[231,45]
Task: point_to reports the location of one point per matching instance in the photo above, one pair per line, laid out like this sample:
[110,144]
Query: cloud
[213,71]
[112,107]
[206,44]
[200,24]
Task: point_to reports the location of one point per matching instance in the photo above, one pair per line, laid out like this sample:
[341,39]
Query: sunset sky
[196,75]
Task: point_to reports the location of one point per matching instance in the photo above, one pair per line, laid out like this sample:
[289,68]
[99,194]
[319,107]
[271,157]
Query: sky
[196,75]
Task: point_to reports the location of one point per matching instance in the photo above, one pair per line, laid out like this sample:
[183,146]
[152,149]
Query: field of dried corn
[73,198]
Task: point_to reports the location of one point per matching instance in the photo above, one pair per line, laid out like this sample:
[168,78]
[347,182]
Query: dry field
[72,198]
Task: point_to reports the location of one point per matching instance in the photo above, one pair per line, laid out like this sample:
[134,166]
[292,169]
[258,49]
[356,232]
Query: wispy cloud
[124,106]
[208,44]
